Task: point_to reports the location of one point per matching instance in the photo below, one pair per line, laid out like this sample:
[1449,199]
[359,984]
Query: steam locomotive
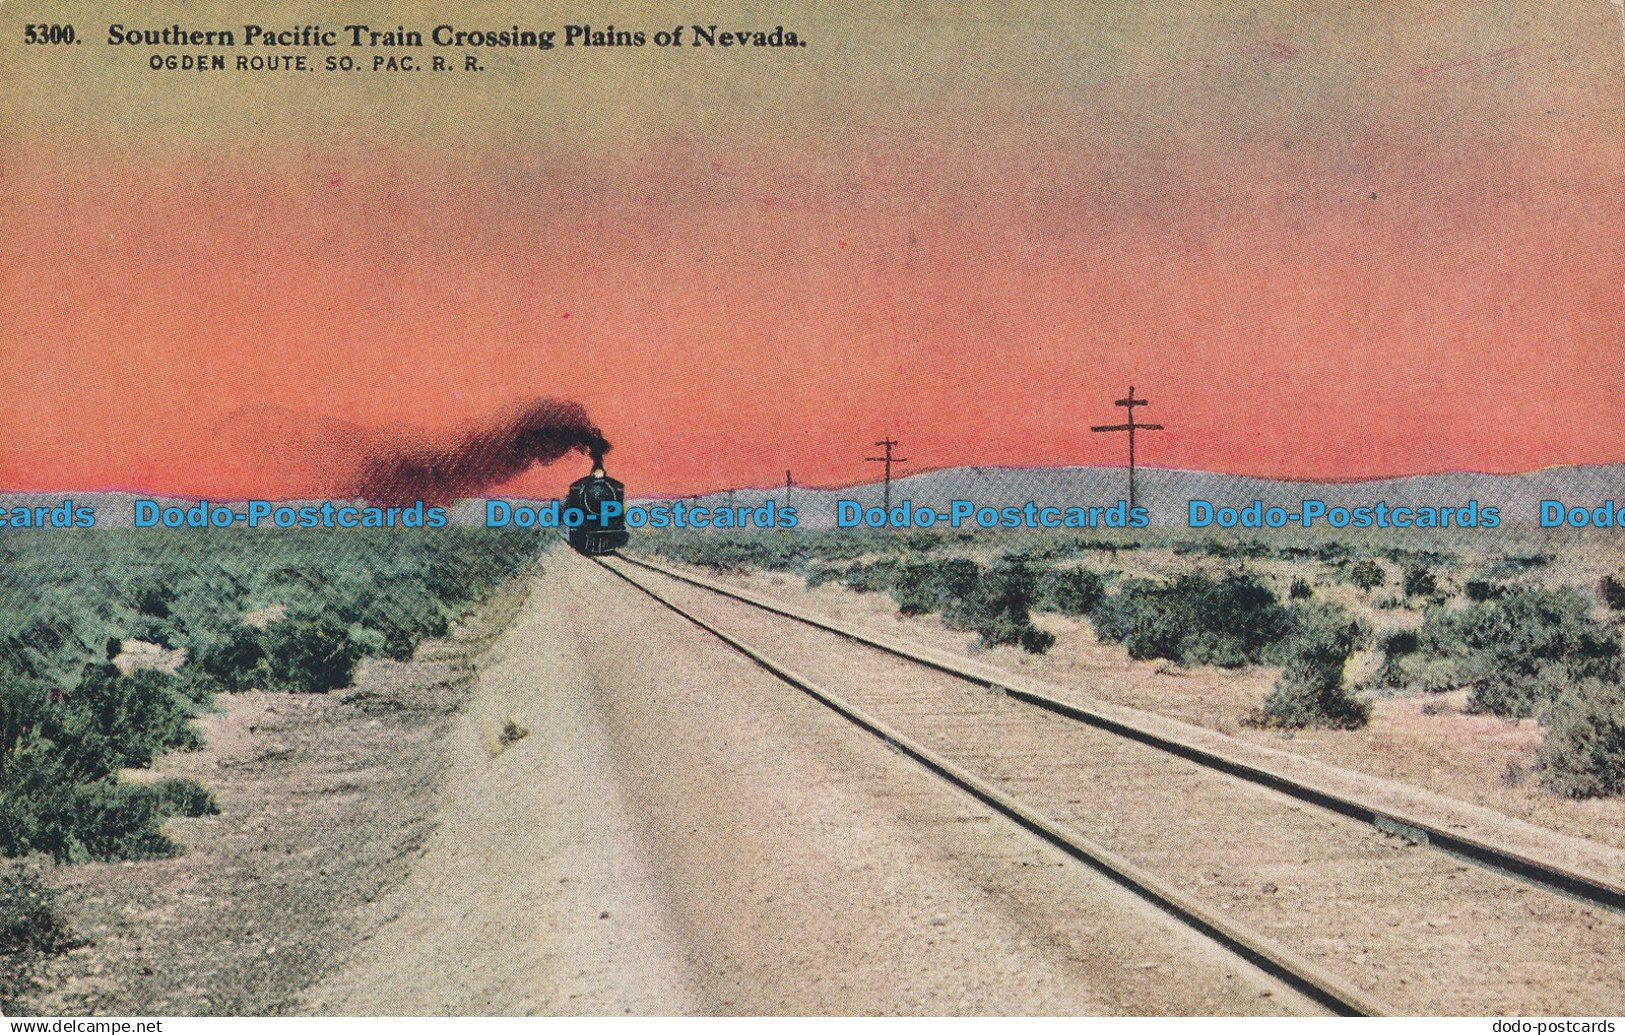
[588,494]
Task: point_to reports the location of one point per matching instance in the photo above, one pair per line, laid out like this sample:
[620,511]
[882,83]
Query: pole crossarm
[1131,427]
[888,460]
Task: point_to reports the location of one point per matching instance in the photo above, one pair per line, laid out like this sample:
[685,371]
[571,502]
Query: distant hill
[1164,492]
[113,509]
[117,509]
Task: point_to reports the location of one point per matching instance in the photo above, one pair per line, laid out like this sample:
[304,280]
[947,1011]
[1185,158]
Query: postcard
[786,509]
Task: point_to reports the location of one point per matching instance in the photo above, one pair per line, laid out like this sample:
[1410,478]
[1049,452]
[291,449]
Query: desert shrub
[1583,753]
[1518,692]
[1331,552]
[1408,664]
[310,652]
[153,630]
[511,733]
[69,721]
[24,700]
[769,551]
[822,574]
[999,608]
[28,777]
[1034,640]
[871,578]
[733,555]
[1300,590]
[1072,547]
[1512,566]
[45,807]
[204,594]
[187,798]
[941,587]
[151,597]
[1311,624]
[112,721]
[42,809]
[1227,548]
[1420,672]
[1519,652]
[1400,642]
[1524,649]
[1612,592]
[32,929]
[108,820]
[345,599]
[1311,690]
[405,614]
[995,603]
[1483,589]
[1195,619]
[1134,618]
[232,658]
[1070,591]
[52,639]
[1419,582]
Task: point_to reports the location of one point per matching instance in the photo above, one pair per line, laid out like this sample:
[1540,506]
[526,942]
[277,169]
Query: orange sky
[1324,245]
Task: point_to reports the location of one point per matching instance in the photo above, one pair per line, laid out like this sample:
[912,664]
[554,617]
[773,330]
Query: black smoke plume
[292,454]
[537,432]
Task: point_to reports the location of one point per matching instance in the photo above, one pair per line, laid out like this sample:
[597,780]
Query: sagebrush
[287,611]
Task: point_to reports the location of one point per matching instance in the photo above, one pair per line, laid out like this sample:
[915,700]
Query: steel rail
[1415,828]
[1276,960]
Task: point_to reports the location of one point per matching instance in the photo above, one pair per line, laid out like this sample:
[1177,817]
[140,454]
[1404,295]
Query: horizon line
[778,487]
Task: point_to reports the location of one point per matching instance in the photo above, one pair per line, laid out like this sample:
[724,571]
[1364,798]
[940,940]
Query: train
[594,537]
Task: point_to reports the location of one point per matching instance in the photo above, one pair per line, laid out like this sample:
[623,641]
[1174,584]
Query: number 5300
[47,34]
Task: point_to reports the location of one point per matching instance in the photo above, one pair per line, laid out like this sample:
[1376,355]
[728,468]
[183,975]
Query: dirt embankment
[681,832]
[535,895]
[325,802]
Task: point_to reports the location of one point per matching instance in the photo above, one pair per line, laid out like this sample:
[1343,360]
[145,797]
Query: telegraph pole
[888,460]
[787,484]
[1131,427]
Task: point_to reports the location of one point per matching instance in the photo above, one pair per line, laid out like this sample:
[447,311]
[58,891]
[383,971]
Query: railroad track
[1586,887]
[1025,754]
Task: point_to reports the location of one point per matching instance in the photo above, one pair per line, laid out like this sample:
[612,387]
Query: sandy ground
[1426,740]
[1414,926]
[535,894]
[325,802]
[680,832]
[627,817]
